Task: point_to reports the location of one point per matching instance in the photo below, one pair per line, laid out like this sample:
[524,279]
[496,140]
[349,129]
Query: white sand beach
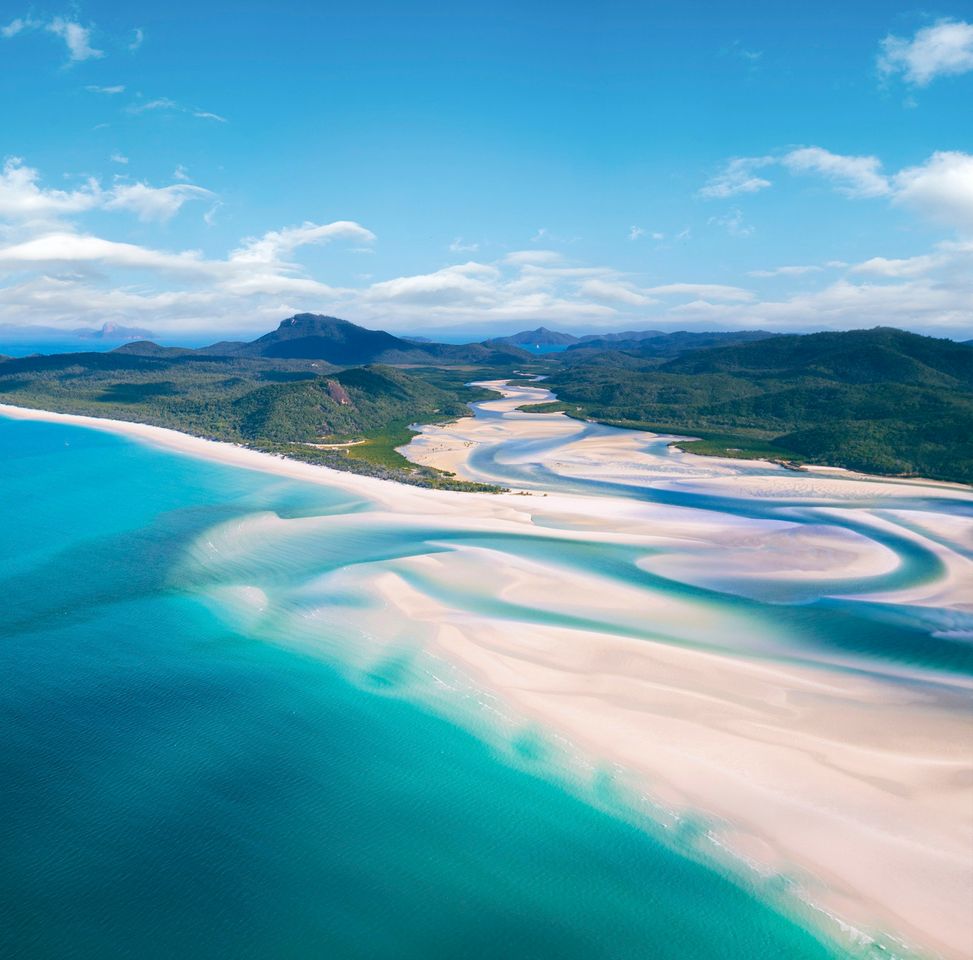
[855,781]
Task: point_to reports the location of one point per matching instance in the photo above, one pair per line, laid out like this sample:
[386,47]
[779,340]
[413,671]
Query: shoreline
[447,446]
[825,740]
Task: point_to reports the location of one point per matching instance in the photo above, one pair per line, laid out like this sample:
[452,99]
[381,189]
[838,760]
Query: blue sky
[213,168]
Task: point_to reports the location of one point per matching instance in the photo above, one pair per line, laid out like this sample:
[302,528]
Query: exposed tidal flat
[662,706]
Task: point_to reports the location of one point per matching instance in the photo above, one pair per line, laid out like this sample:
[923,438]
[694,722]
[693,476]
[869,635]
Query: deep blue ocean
[173,788]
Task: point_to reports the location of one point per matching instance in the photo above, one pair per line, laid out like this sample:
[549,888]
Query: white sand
[860,785]
[861,788]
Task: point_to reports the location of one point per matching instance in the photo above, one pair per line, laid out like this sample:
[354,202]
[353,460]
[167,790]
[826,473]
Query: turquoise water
[175,787]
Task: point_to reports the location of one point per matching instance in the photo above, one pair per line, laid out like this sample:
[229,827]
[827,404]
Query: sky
[471,170]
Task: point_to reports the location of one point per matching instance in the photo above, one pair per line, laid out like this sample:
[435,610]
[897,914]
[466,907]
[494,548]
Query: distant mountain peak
[114,331]
[313,319]
[314,336]
[542,336]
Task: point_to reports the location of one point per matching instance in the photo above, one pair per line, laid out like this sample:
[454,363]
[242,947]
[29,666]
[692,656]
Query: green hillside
[882,400]
[294,407]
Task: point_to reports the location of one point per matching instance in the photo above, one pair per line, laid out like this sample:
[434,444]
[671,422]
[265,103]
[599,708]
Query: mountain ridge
[311,336]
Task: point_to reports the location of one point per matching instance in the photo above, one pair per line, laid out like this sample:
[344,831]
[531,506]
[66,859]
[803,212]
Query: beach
[668,637]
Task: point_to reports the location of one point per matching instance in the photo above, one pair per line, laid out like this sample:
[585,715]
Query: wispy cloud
[159,103]
[786,271]
[535,257]
[110,91]
[736,50]
[614,291]
[24,199]
[459,245]
[737,177]
[18,25]
[154,203]
[77,38]
[273,247]
[206,115]
[710,291]
[733,223]
[137,39]
[166,104]
[854,176]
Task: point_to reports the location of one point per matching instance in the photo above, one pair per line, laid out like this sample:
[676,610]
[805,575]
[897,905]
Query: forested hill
[305,409]
[882,400]
[541,337]
[881,355]
[649,344]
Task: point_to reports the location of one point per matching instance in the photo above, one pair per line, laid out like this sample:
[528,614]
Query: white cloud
[922,303]
[942,50]
[94,88]
[854,176]
[181,173]
[521,257]
[75,250]
[599,289]
[159,103]
[908,267]
[711,291]
[138,36]
[153,203]
[463,283]
[78,254]
[56,274]
[275,245]
[77,38]
[459,245]
[22,198]
[17,26]
[635,233]
[941,189]
[738,176]
[64,278]
[787,271]
[169,105]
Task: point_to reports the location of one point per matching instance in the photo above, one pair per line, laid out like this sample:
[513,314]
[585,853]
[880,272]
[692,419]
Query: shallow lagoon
[175,788]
